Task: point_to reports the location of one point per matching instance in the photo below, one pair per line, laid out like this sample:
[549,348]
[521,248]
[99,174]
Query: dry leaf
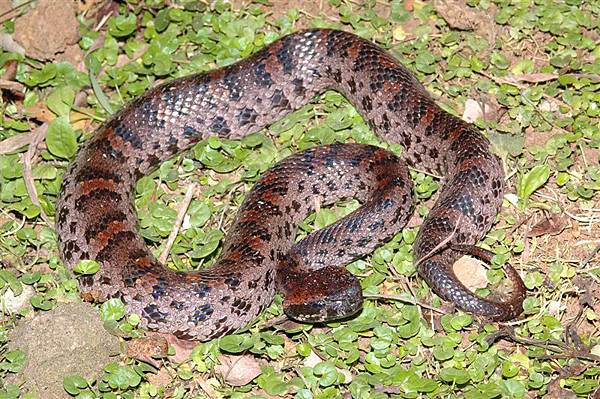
[312,360]
[183,348]
[7,43]
[549,106]
[161,379]
[238,370]
[470,272]
[485,108]
[40,112]
[13,143]
[10,70]
[555,391]
[551,225]
[555,307]
[347,375]
[473,111]
[80,121]
[531,77]
[15,303]
[14,87]
[148,348]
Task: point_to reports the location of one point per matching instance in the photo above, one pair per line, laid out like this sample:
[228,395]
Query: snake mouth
[323,310]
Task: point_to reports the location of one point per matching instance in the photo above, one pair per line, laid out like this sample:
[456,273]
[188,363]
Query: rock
[67,340]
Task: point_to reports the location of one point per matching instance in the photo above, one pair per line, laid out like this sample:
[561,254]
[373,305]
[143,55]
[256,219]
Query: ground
[527,75]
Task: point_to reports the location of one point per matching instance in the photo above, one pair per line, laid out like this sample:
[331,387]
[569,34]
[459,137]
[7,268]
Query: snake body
[96,218]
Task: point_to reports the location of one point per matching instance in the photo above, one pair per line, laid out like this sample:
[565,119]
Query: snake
[96,217]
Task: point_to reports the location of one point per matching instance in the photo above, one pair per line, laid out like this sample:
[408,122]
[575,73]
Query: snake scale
[96,218]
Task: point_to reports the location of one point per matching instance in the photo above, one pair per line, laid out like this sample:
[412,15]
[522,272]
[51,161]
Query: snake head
[327,294]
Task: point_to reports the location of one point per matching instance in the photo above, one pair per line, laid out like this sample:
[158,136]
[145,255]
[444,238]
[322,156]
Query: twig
[440,245]
[522,87]
[562,350]
[13,143]
[590,256]
[38,136]
[404,300]
[206,388]
[178,221]
[20,225]
[582,219]
[391,389]
[275,321]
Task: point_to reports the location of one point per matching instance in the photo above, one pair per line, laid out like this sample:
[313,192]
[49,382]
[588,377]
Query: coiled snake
[96,218]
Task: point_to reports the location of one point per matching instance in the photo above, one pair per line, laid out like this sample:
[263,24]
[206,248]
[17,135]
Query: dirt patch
[279,8]
[67,340]
[460,16]
[48,29]
[309,10]
[5,6]
[536,138]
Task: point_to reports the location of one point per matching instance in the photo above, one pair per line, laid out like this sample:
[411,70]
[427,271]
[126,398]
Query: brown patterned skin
[96,218]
